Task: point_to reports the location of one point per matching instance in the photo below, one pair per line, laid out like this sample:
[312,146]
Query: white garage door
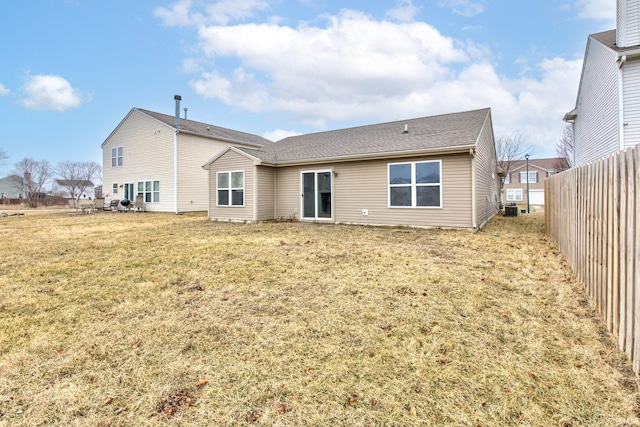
[536,197]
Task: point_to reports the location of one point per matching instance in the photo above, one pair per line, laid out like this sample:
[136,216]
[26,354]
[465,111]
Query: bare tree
[3,156]
[509,149]
[77,176]
[564,150]
[32,176]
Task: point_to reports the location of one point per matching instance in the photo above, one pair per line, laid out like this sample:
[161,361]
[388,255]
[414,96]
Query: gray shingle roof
[608,38]
[424,134]
[208,130]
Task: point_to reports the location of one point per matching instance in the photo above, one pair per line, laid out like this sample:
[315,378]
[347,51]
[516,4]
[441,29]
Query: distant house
[11,187]
[61,187]
[606,117]
[438,171]
[160,157]
[515,182]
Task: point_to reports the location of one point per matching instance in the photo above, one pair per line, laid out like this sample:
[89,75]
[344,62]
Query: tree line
[31,175]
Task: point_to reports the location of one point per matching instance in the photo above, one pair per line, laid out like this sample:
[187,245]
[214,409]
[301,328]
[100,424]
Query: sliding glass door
[316,195]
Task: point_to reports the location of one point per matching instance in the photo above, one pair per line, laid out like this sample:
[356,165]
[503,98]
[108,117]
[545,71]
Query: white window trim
[118,159]
[514,194]
[533,174]
[144,192]
[413,185]
[315,192]
[114,188]
[230,205]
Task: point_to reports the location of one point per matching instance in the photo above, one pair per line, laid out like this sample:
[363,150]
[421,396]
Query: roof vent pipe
[185,112]
[178,98]
[406,128]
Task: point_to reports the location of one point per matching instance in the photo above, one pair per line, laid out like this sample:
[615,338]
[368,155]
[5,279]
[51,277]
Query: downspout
[255,192]
[175,171]
[474,213]
[275,193]
[177,98]
[622,60]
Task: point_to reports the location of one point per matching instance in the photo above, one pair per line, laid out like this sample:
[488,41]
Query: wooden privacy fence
[592,215]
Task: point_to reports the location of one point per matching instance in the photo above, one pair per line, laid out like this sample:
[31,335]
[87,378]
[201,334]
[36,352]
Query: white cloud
[278,134]
[3,90]
[221,12]
[597,9]
[399,70]
[404,12]
[467,8]
[50,92]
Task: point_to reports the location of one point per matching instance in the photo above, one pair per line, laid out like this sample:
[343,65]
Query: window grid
[415,184]
[116,157]
[230,188]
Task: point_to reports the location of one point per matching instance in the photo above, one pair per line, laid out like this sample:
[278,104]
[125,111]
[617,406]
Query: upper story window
[116,157]
[533,177]
[415,184]
[230,188]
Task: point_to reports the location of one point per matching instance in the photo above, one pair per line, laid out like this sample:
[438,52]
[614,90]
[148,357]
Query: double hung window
[150,191]
[230,188]
[116,157]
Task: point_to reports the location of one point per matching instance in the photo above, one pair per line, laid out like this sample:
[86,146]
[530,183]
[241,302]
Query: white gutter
[373,156]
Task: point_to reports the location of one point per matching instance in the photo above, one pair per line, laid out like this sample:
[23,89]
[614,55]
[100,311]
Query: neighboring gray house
[11,187]
[438,171]
[160,157]
[606,117]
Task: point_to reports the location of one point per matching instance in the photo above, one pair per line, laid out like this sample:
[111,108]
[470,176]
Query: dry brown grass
[153,319]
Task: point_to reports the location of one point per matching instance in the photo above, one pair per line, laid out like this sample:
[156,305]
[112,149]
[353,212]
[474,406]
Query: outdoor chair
[99,204]
[113,205]
[138,205]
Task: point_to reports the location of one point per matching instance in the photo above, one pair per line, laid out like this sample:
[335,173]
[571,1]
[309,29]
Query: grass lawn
[156,319]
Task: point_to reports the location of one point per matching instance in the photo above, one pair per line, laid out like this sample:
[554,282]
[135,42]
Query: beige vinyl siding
[232,161]
[487,181]
[147,156]
[596,126]
[193,152]
[265,177]
[364,185]
[631,99]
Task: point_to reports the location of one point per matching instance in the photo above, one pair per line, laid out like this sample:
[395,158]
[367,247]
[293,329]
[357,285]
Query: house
[438,171]
[515,182]
[160,156]
[61,187]
[11,187]
[606,117]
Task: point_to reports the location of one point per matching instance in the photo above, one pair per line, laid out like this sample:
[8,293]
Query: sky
[71,70]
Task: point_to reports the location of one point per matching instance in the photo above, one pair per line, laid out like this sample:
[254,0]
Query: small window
[114,188]
[230,188]
[415,184]
[514,194]
[116,157]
